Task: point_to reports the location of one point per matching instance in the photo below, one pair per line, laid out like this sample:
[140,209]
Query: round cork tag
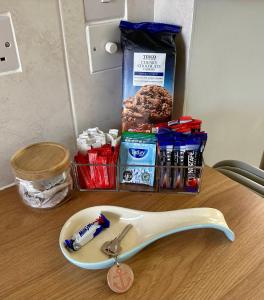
[120,278]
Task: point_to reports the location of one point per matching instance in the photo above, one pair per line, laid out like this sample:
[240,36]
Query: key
[123,233]
[120,276]
[112,248]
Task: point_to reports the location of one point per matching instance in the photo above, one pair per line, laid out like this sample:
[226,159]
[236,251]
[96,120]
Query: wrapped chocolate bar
[149,62]
[87,233]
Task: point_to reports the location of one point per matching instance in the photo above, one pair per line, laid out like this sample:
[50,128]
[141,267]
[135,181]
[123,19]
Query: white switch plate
[97,37]
[9,56]
[96,10]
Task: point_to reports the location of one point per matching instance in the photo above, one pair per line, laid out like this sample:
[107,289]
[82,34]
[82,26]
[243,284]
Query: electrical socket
[9,56]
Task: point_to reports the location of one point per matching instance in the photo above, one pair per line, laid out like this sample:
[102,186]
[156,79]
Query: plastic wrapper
[97,168]
[149,63]
[180,156]
[46,193]
[87,233]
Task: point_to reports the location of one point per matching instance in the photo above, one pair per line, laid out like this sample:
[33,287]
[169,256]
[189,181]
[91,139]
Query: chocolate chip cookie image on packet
[152,104]
[149,63]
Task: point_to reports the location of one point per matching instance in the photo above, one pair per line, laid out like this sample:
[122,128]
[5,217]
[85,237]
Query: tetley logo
[138,153]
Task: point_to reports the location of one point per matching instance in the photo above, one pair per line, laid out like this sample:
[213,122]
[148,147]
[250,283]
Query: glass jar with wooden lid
[43,174]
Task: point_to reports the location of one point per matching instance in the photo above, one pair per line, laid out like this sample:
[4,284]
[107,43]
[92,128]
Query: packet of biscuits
[149,61]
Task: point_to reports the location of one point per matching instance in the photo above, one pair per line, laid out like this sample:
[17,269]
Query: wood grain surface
[199,264]
[40,161]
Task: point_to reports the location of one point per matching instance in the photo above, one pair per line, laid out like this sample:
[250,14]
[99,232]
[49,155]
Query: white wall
[226,78]
[140,10]
[35,104]
[224,65]
[178,12]
[94,95]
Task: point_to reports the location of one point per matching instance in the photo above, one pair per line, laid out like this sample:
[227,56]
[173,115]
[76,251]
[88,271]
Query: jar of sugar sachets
[43,174]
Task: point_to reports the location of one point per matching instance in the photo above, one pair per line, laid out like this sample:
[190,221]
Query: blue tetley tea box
[132,156]
[149,62]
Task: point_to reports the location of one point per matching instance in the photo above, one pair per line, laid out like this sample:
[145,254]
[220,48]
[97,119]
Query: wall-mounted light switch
[9,56]
[103,40]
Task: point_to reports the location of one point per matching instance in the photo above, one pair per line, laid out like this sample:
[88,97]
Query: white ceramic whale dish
[147,228]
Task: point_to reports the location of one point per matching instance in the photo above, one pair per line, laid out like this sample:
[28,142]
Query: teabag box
[137,158]
[149,62]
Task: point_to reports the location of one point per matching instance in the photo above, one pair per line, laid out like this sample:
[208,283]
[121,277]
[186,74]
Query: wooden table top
[197,264]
